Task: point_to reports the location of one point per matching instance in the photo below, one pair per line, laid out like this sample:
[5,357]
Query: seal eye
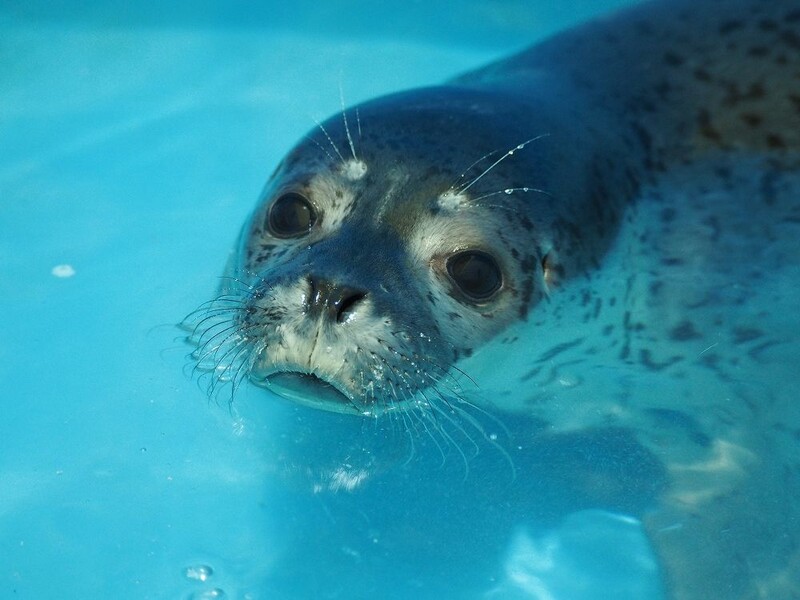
[476,274]
[291,215]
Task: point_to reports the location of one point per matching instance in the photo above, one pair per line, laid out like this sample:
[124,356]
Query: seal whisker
[410,429]
[203,343]
[321,147]
[222,368]
[420,414]
[469,168]
[245,366]
[499,160]
[217,315]
[346,126]
[221,376]
[244,285]
[446,375]
[212,360]
[507,191]
[223,298]
[333,145]
[227,374]
[448,419]
[206,309]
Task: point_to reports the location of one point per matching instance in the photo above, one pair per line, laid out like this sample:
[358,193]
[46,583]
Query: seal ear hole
[476,273]
[291,215]
[551,270]
[346,307]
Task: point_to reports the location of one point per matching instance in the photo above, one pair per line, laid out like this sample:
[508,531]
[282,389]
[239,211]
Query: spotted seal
[601,230]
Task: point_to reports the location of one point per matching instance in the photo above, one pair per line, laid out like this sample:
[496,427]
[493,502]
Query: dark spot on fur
[723,172]
[526,223]
[702,75]
[705,128]
[673,60]
[767,25]
[791,39]
[746,334]
[775,141]
[662,89]
[792,16]
[734,94]
[558,349]
[528,264]
[525,300]
[684,331]
[668,215]
[758,51]
[795,100]
[751,119]
[756,352]
[608,330]
[730,26]
[646,359]
[655,287]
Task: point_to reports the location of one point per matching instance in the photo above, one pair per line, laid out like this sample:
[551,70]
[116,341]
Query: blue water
[133,143]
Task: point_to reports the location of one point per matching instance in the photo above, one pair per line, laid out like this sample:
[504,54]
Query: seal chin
[310,390]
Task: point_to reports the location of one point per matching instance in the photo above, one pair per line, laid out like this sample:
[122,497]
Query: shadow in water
[365,509]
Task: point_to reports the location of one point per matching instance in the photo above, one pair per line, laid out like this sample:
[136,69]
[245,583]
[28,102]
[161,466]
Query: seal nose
[336,302]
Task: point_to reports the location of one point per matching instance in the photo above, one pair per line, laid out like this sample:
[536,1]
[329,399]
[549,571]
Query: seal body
[601,231]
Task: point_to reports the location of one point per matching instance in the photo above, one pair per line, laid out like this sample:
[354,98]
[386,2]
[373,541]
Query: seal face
[360,280]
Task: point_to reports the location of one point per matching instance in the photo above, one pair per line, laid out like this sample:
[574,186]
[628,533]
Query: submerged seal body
[601,230]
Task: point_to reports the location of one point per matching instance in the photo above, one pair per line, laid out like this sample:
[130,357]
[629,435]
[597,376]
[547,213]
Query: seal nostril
[345,306]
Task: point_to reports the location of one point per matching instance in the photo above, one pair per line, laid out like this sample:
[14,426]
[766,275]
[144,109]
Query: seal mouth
[310,390]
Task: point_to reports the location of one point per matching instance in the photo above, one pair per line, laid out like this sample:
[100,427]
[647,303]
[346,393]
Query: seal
[601,230]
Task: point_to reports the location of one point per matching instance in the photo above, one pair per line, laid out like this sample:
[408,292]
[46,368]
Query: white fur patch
[452,200]
[354,169]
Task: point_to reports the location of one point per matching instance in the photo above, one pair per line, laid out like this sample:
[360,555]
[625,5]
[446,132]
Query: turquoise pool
[133,143]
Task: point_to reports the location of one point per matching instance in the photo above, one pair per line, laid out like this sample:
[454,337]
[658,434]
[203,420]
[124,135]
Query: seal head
[375,261]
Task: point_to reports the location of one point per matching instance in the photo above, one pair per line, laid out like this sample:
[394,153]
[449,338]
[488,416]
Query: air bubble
[198,573]
[215,594]
[63,271]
